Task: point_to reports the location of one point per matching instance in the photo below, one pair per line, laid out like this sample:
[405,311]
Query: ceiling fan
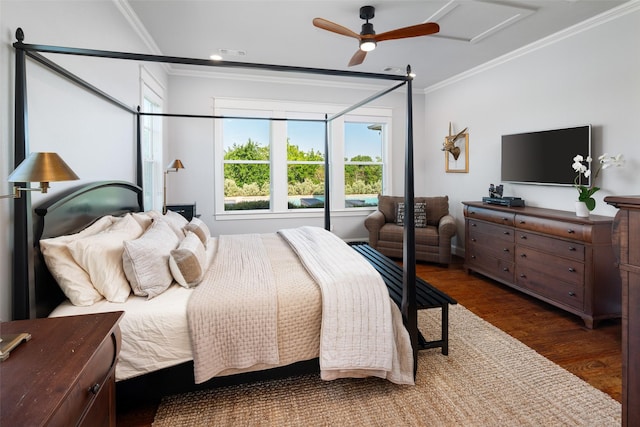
[368,37]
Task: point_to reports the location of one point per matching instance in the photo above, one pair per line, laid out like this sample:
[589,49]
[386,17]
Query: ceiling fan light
[367,45]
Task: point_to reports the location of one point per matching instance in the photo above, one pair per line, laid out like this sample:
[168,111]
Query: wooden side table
[64,375]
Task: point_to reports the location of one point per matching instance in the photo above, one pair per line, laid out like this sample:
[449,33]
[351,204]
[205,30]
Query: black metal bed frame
[23,276]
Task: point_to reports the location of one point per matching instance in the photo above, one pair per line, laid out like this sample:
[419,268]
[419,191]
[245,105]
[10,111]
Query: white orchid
[585,194]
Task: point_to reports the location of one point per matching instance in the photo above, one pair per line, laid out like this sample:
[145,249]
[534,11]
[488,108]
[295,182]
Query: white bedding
[155,332]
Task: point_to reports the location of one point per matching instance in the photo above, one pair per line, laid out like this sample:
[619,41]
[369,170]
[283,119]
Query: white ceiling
[472,32]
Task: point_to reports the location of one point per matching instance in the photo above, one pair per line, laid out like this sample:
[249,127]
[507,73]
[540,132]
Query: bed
[37,294]
[158,328]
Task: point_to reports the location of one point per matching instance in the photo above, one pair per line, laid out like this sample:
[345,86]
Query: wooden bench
[427,296]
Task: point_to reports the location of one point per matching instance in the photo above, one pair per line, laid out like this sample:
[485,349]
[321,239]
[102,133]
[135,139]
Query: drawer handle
[505,219]
[473,239]
[94,388]
[523,276]
[473,257]
[523,237]
[473,224]
[506,233]
[505,250]
[572,270]
[572,248]
[523,255]
[571,231]
[572,294]
[505,269]
[522,221]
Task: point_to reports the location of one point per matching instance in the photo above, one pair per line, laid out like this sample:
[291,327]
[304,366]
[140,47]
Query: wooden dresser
[553,255]
[626,236]
[64,375]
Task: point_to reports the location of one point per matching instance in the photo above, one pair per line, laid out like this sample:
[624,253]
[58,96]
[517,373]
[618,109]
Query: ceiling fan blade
[334,28]
[357,58]
[412,31]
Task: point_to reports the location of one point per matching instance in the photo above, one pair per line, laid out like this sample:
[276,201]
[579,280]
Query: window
[151,154]
[151,92]
[363,166]
[247,165]
[278,166]
[305,164]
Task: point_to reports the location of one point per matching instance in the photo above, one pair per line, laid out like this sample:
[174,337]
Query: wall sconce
[173,167]
[42,168]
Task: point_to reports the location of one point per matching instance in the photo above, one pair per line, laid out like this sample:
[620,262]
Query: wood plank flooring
[593,355]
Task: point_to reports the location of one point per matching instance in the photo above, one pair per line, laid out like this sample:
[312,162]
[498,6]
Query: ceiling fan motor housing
[367,30]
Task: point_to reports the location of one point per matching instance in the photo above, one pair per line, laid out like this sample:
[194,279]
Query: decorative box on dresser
[626,237]
[64,375]
[552,255]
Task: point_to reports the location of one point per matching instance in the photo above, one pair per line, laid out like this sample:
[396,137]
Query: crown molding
[615,13]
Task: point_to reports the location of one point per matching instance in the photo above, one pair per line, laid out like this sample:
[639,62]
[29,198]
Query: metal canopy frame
[23,276]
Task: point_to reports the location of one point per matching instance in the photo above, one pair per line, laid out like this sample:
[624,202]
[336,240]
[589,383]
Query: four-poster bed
[35,293]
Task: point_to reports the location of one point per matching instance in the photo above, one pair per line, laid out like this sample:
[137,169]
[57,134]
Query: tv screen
[544,157]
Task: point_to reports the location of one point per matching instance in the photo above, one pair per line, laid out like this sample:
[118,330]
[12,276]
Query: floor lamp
[173,167]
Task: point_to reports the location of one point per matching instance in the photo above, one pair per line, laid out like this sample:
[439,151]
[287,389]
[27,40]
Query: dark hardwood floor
[593,355]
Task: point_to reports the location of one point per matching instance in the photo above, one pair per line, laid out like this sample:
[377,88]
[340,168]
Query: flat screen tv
[544,157]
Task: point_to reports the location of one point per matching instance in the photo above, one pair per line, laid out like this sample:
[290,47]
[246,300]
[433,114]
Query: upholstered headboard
[69,213]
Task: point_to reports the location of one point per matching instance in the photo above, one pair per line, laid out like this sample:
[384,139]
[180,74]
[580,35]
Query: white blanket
[233,315]
[362,332]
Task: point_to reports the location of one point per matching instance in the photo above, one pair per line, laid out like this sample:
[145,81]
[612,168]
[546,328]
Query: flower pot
[581,210]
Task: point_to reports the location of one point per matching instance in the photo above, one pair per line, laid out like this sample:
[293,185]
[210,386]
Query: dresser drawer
[89,382]
[546,284]
[564,229]
[568,270]
[497,248]
[551,245]
[497,217]
[478,258]
[486,230]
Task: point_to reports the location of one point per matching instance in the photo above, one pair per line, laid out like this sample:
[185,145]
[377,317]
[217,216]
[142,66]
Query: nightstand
[64,375]
[187,211]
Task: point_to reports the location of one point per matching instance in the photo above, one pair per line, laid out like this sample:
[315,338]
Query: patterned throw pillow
[419,214]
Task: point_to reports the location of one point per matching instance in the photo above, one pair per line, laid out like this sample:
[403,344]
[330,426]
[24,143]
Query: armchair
[433,239]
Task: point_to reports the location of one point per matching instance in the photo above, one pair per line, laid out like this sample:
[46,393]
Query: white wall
[587,76]
[191,140]
[92,136]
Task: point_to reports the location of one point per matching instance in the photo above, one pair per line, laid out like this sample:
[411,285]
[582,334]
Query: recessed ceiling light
[232,52]
[216,57]
[390,69]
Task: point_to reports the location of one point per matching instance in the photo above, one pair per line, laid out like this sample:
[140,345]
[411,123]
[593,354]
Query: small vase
[582,210]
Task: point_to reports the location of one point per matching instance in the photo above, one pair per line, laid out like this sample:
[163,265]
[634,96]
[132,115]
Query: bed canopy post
[23,281]
[327,210]
[409,307]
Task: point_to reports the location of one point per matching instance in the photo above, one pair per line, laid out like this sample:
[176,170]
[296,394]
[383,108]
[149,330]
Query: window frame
[279,111]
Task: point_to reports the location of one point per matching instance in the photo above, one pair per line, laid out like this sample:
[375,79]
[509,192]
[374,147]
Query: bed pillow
[146,260]
[143,218]
[100,255]
[175,221]
[419,214]
[188,262]
[200,229]
[72,279]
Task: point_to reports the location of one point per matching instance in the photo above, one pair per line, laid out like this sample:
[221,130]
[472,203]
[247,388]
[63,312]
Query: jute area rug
[488,379]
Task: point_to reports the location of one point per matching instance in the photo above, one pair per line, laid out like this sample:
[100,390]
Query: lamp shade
[176,164]
[42,167]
